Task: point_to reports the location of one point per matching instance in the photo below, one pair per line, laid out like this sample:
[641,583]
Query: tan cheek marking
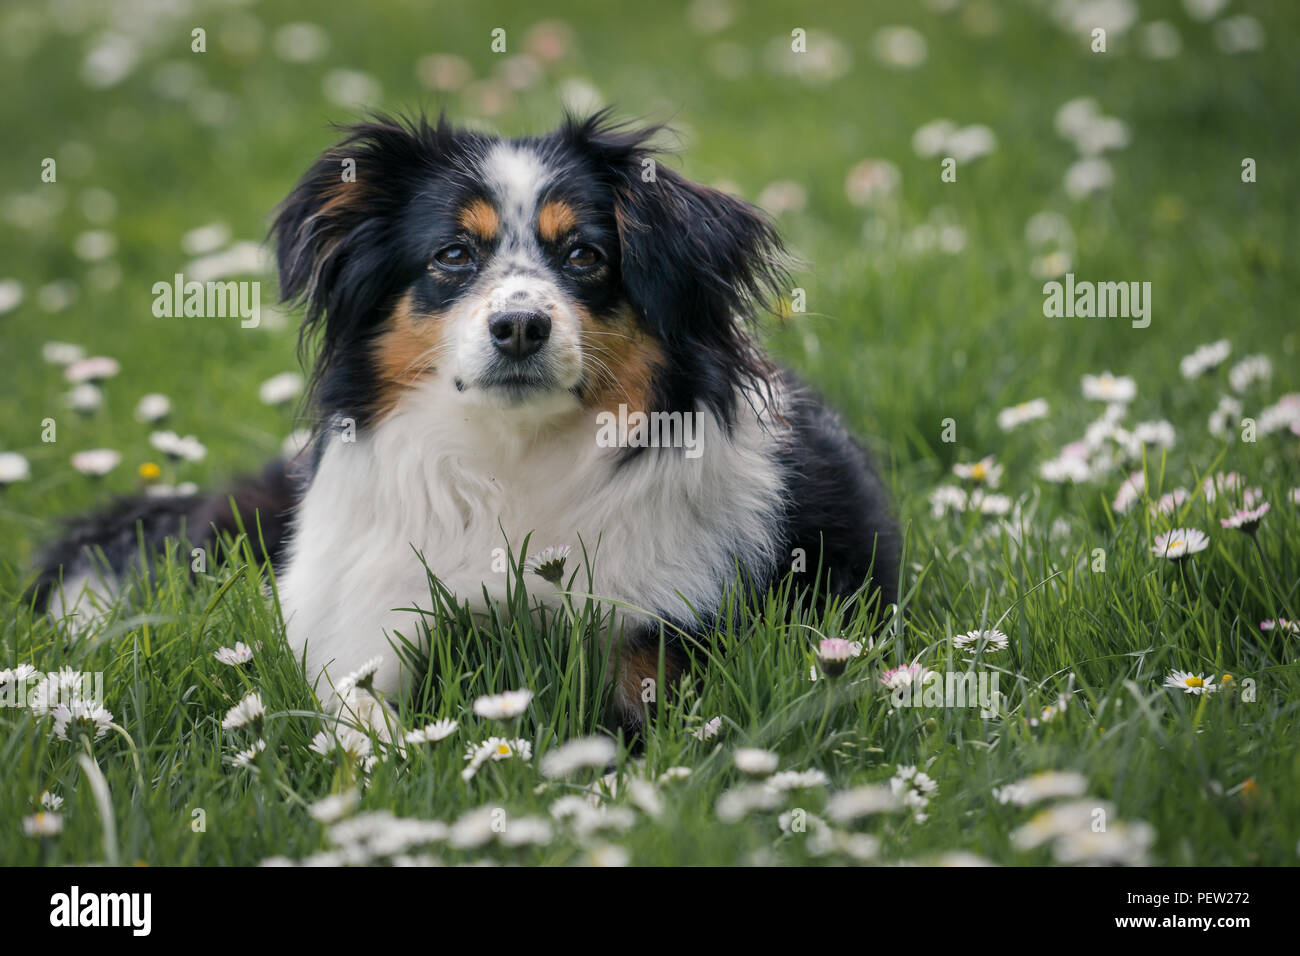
[481,219]
[641,664]
[406,351]
[623,360]
[555,220]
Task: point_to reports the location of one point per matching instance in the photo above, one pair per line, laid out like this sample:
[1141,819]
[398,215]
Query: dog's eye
[454,257]
[583,257]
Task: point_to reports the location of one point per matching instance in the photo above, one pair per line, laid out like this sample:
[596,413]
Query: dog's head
[537,276]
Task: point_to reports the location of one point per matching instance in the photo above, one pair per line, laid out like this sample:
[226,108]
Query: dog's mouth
[515,385]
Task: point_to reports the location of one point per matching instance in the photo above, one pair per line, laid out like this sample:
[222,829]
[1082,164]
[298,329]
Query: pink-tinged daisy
[834,654]
[1221,483]
[91,370]
[1180,543]
[1018,415]
[434,732]
[994,640]
[1109,388]
[1170,502]
[709,730]
[1247,519]
[241,653]
[986,471]
[1129,492]
[97,462]
[1190,683]
[505,706]
[905,676]
[1280,624]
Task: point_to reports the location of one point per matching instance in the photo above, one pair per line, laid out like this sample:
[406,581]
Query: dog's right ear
[332,232]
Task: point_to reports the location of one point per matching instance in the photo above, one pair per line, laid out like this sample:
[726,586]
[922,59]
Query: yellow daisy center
[149,471]
[503,750]
[1177,544]
[1195,682]
[978,471]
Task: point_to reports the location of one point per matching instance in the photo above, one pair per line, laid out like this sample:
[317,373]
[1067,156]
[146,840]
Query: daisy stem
[135,754]
[826,711]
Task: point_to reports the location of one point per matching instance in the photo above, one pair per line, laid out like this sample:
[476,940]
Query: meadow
[1047,469]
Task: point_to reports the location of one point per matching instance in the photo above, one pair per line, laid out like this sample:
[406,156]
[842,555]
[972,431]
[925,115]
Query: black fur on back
[264,504]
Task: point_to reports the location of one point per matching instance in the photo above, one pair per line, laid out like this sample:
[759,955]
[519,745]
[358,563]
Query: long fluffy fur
[451,462]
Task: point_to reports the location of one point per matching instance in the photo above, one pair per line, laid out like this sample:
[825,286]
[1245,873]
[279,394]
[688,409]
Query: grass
[900,337]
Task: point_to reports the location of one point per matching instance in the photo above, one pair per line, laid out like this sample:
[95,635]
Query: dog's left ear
[696,263]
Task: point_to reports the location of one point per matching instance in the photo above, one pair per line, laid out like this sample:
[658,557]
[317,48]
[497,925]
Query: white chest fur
[458,484]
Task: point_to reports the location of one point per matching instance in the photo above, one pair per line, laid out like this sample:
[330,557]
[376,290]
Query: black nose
[519,334]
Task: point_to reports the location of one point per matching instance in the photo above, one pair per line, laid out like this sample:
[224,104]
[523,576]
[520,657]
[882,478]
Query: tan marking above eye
[555,219]
[481,219]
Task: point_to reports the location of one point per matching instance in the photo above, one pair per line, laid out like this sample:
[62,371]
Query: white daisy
[363,677]
[526,831]
[504,706]
[250,710]
[43,825]
[738,802]
[673,774]
[97,462]
[1065,470]
[1190,683]
[79,717]
[241,653]
[1180,543]
[174,446]
[279,389]
[1109,388]
[245,758]
[1120,843]
[1087,176]
[13,467]
[1225,416]
[755,762]
[51,801]
[549,563]
[994,640]
[797,780]
[85,398]
[847,805]
[1017,415]
[434,732]
[153,408]
[62,353]
[1048,785]
[1204,358]
[578,755]
[986,471]
[947,499]
[1251,369]
[335,807]
[1281,624]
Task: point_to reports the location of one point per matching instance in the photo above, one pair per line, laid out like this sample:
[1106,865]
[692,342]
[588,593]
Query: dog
[549,337]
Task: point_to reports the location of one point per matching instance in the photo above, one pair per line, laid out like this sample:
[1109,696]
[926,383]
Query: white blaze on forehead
[517,177]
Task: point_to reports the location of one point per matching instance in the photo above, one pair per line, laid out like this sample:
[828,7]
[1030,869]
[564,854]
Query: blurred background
[923,297]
